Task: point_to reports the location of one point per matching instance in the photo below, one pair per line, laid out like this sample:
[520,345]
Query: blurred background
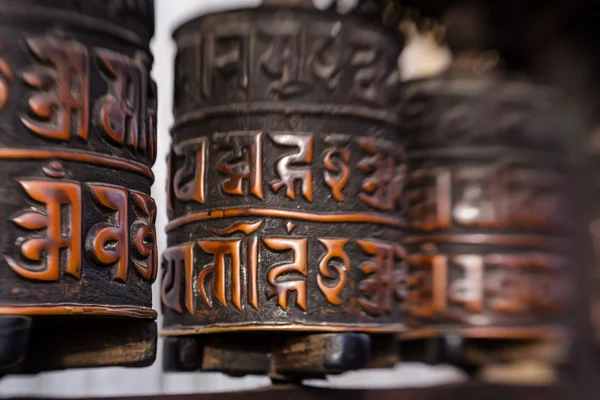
[147,381]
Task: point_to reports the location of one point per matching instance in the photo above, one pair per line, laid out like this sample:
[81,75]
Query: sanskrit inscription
[54,242]
[123,113]
[234,277]
[489,196]
[61,108]
[386,275]
[295,166]
[257,165]
[6,75]
[387,171]
[385,281]
[241,162]
[78,113]
[284,61]
[61,105]
[61,221]
[462,285]
[336,162]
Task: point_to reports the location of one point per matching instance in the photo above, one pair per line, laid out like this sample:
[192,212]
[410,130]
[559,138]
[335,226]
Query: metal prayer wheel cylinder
[78,139]
[286,173]
[488,209]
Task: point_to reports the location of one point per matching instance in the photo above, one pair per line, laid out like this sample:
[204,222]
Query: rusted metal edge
[174,331]
[77,309]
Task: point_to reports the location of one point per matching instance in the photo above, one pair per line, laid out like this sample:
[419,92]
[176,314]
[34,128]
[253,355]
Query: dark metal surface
[78,139]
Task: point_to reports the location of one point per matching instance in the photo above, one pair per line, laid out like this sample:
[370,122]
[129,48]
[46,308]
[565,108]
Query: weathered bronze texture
[78,129]
[285,193]
[286,175]
[488,208]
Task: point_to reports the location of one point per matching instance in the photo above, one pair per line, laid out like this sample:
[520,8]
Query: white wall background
[146,381]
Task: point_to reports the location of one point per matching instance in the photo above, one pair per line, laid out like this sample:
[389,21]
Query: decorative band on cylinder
[78,129]
[286,175]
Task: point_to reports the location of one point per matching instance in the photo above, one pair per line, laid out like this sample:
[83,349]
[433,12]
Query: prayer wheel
[490,216]
[78,140]
[285,192]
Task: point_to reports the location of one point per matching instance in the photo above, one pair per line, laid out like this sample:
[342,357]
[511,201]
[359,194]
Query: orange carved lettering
[144,232]
[253,272]
[288,167]
[62,106]
[387,170]
[178,267]
[108,242]
[221,249]
[525,283]
[252,256]
[501,283]
[385,276]
[428,286]
[298,264]
[188,181]
[5,74]
[61,245]
[123,114]
[242,162]
[335,251]
[336,162]
[431,204]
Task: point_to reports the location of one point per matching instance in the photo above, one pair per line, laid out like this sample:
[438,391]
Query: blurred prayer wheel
[285,192]
[490,216]
[78,139]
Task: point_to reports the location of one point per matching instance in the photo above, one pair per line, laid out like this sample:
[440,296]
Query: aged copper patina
[285,180]
[78,128]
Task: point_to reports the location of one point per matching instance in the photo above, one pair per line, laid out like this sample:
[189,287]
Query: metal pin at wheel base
[285,184]
[78,134]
